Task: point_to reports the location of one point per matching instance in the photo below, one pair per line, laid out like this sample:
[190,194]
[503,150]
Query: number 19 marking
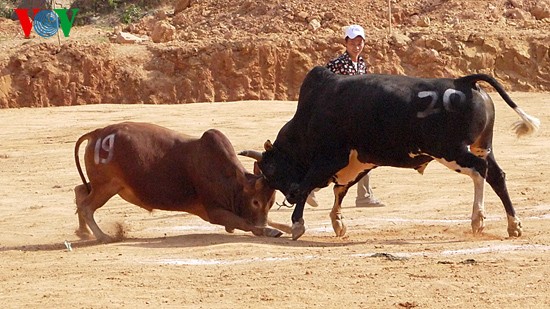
[107,145]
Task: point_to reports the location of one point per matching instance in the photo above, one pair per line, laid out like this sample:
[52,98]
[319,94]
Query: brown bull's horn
[252,154]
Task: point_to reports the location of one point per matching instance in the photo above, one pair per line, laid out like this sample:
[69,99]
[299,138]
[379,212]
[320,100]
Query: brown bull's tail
[83,138]
[527,125]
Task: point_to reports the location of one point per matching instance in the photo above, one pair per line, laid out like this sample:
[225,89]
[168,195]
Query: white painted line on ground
[468,251]
[496,248]
[216,262]
[326,226]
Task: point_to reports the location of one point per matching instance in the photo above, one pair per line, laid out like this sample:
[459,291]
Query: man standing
[351,63]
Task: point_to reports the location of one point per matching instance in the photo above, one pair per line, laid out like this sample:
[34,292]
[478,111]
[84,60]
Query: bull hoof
[478,225]
[105,239]
[477,230]
[84,234]
[339,228]
[298,229]
[514,227]
[515,232]
[338,224]
[229,230]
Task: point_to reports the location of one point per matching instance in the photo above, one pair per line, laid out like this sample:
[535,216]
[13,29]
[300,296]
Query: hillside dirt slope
[224,50]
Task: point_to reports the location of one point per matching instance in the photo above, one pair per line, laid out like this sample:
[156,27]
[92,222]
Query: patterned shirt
[343,65]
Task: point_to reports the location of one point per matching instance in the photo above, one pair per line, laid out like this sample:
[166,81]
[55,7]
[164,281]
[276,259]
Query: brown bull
[157,168]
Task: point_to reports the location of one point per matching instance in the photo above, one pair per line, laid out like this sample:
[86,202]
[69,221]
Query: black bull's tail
[527,125]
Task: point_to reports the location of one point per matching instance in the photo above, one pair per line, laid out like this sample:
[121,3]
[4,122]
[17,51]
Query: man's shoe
[368,202]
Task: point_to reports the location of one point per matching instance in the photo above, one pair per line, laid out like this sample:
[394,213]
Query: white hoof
[478,225]
[514,227]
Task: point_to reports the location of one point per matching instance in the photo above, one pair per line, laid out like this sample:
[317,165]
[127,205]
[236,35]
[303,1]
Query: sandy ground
[426,258]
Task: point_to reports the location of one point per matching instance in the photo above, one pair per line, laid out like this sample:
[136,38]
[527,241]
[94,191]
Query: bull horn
[252,154]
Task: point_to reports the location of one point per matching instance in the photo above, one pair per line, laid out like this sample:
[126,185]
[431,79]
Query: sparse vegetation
[6,8]
[131,14]
[112,11]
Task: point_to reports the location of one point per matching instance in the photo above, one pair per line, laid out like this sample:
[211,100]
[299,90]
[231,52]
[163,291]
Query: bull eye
[256,204]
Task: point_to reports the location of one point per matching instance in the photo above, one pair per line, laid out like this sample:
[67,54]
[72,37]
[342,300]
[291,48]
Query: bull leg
[336,213]
[298,197]
[86,207]
[476,168]
[319,175]
[231,221]
[298,226]
[478,210]
[83,232]
[497,179]
[340,192]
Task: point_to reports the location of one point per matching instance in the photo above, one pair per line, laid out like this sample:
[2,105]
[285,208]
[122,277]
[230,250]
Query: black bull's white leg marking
[495,177]
[478,210]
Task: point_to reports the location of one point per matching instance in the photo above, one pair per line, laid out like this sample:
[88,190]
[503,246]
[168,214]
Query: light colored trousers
[364,191]
[363,187]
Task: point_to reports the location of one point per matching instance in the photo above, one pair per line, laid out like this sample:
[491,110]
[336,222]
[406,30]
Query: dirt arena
[417,251]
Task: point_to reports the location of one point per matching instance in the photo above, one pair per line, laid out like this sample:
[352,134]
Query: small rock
[541,11]
[127,38]
[163,32]
[314,24]
[160,15]
[181,5]
[302,16]
[517,14]
[400,40]
[423,22]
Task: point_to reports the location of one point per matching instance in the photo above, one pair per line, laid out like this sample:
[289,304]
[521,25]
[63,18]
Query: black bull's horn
[254,154]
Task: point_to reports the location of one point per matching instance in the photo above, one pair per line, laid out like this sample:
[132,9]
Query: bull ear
[259,184]
[257,170]
[248,182]
[253,185]
[268,145]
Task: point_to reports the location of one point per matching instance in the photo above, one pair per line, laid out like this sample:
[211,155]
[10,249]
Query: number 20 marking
[431,109]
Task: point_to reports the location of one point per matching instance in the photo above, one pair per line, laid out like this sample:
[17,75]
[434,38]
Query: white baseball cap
[353,31]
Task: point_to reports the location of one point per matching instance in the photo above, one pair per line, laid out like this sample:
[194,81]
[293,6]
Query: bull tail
[527,125]
[83,138]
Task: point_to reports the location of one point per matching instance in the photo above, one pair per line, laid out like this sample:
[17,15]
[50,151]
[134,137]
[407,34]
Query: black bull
[345,126]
